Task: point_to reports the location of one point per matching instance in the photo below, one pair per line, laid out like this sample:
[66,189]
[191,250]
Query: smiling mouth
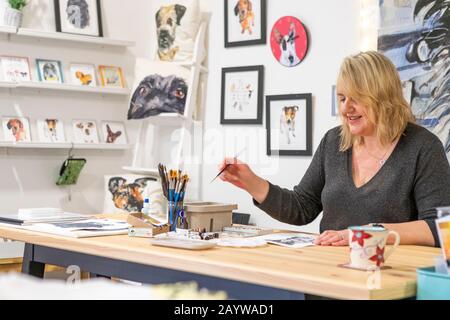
[354,117]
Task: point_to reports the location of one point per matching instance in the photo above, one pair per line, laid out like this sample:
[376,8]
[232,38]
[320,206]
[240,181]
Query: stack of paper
[31,216]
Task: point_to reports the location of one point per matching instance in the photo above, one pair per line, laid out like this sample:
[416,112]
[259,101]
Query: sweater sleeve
[432,183]
[303,204]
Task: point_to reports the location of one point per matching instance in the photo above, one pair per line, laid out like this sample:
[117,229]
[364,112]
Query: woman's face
[354,115]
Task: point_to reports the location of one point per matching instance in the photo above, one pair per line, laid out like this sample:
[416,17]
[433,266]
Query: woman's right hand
[240,175]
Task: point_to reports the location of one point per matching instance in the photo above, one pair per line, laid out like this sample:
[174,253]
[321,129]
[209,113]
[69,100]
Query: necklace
[382,160]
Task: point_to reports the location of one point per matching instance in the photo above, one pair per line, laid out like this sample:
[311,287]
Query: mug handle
[395,245]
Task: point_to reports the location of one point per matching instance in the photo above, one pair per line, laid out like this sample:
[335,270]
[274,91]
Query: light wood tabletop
[312,270]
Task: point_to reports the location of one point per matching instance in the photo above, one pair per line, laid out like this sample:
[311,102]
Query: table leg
[29,266]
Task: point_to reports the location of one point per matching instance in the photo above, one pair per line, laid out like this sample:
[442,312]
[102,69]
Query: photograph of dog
[167,20]
[16,129]
[113,132]
[286,42]
[126,195]
[244,10]
[85,131]
[157,94]
[287,122]
[78,13]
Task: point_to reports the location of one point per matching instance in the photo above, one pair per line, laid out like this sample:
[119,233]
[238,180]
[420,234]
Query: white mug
[367,246]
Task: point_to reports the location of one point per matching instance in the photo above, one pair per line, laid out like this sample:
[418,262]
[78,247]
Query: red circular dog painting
[289,41]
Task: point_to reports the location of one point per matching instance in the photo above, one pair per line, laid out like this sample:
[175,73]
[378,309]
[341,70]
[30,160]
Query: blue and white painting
[415,35]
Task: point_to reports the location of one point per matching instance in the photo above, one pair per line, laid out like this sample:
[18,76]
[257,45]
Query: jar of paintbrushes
[174,184]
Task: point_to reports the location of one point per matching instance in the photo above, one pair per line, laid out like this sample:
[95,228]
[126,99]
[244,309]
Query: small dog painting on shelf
[244,10]
[113,132]
[85,131]
[287,122]
[51,131]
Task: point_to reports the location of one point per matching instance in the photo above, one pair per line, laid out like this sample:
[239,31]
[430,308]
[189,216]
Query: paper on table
[290,240]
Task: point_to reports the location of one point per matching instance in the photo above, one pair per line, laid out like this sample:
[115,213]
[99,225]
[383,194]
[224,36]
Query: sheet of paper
[290,240]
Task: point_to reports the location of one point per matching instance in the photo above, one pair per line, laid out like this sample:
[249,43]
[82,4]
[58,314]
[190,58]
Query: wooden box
[211,216]
[144,226]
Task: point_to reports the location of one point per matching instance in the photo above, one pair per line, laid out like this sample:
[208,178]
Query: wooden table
[270,272]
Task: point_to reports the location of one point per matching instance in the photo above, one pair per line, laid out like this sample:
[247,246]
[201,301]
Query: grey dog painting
[78,13]
[415,35]
[157,94]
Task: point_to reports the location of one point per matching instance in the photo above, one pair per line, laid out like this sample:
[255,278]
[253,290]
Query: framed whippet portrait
[16,129]
[113,132]
[245,22]
[50,130]
[242,95]
[289,125]
[81,17]
[289,41]
[49,71]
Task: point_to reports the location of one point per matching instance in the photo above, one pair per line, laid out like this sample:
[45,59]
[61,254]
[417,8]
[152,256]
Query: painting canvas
[242,95]
[16,129]
[85,131]
[415,35]
[50,130]
[289,41]
[79,17]
[289,125]
[83,74]
[114,132]
[15,69]
[111,76]
[245,22]
[49,71]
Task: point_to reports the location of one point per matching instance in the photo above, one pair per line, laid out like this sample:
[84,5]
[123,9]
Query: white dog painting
[85,131]
[288,56]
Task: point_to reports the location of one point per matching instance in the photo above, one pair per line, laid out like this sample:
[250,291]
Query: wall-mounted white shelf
[8,29]
[142,171]
[65,87]
[79,146]
[60,36]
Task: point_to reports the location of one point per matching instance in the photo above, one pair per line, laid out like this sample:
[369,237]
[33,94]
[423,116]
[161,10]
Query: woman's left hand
[333,238]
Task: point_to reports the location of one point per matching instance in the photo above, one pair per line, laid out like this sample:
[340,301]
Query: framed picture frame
[334,102]
[242,95]
[82,17]
[50,130]
[83,74]
[15,69]
[289,125]
[111,76]
[16,129]
[113,132]
[85,131]
[49,71]
[245,22]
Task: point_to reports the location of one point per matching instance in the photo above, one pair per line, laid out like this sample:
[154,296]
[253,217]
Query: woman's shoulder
[419,135]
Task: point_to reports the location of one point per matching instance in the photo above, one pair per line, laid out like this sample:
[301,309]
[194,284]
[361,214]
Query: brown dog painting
[244,10]
[287,122]
[168,18]
[127,195]
[111,135]
[17,128]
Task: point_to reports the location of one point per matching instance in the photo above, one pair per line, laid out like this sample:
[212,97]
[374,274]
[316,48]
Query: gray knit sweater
[411,184]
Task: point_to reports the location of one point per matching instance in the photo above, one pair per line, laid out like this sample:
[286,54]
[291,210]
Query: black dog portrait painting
[78,13]
[127,195]
[157,94]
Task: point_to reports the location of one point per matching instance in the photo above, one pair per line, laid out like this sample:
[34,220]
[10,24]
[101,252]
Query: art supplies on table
[144,226]
[40,215]
[244,231]
[290,240]
[174,184]
[82,229]
[211,216]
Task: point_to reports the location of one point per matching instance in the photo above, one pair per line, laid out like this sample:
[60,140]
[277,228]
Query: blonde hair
[372,80]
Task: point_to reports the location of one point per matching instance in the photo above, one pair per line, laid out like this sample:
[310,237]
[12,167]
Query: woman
[377,167]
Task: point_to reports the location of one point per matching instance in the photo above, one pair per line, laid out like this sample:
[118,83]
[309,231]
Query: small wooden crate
[211,216]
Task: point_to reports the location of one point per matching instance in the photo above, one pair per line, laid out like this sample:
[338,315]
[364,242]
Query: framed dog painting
[111,76]
[83,74]
[16,129]
[15,69]
[289,41]
[242,95]
[49,71]
[50,130]
[82,17]
[85,131]
[113,132]
[245,22]
[289,125]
